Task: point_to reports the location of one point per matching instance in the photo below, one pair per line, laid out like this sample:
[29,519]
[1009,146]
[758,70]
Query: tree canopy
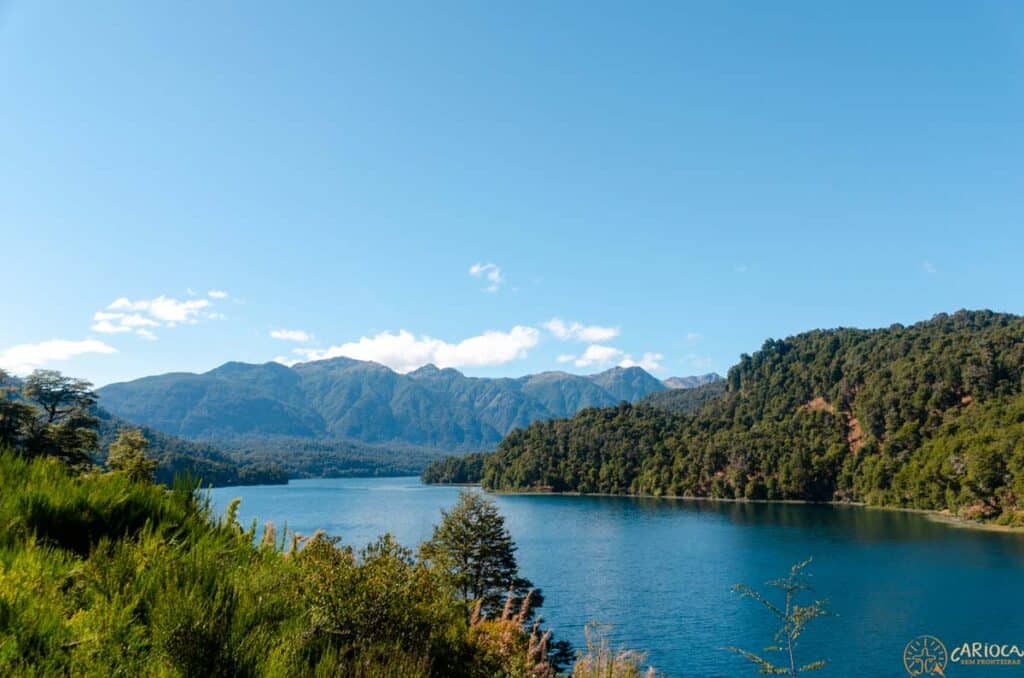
[878,416]
[49,416]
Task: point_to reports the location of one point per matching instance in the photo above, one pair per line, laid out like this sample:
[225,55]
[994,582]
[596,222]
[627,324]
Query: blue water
[660,571]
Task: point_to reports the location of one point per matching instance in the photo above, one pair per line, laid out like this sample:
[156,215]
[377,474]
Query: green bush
[103,575]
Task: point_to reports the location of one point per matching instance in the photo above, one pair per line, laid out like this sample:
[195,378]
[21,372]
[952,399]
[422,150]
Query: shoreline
[930,514]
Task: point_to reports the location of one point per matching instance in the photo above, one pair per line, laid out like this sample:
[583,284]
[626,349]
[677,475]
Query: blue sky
[674,184]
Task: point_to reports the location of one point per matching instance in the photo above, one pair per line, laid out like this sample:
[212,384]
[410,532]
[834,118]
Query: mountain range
[342,398]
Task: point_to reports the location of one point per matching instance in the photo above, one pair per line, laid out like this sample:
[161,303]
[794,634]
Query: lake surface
[660,571]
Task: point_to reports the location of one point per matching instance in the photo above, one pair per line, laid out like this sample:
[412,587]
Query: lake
[660,571]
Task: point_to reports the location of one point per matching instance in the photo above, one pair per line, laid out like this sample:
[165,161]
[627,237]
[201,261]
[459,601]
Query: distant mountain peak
[692,381]
[235,367]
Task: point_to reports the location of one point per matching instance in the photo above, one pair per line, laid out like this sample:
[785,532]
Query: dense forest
[298,457]
[686,399]
[925,416]
[455,469]
[176,456]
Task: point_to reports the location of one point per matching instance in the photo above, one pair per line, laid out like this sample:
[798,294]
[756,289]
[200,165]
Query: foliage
[501,641]
[601,661]
[326,457]
[686,400]
[475,548]
[50,416]
[16,416]
[58,396]
[455,469]
[844,414]
[128,455]
[794,618]
[103,575]
[973,465]
[175,456]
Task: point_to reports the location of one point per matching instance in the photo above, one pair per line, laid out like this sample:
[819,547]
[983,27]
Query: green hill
[176,456]
[925,416]
[686,399]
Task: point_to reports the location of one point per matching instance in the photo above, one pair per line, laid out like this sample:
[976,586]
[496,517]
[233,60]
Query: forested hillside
[177,456]
[361,402]
[925,416]
[686,399]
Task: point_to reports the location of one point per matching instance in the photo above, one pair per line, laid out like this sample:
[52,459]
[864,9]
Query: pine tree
[473,545]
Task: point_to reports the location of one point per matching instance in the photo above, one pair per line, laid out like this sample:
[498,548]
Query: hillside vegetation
[926,416]
[360,403]
[176,456]
[686,399]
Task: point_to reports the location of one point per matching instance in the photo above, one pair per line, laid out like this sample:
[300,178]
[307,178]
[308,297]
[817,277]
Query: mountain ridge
[694,381]
[346,399]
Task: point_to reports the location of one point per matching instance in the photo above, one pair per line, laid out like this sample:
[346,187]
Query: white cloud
[125,315]
[217,294]
[291,335]
[24,358]
[285,360]
[107,327]
[929,267]
[693,336]
[164,309]
[742,268]
[404,351]
[596,354]
[579,332]
[490,272]
[649,361]
[136,320]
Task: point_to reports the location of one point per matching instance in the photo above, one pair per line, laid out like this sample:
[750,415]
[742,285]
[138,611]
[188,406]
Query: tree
[128,455]
[15,415]
[794,618]
[475,548]
[57,395]
[65,426]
